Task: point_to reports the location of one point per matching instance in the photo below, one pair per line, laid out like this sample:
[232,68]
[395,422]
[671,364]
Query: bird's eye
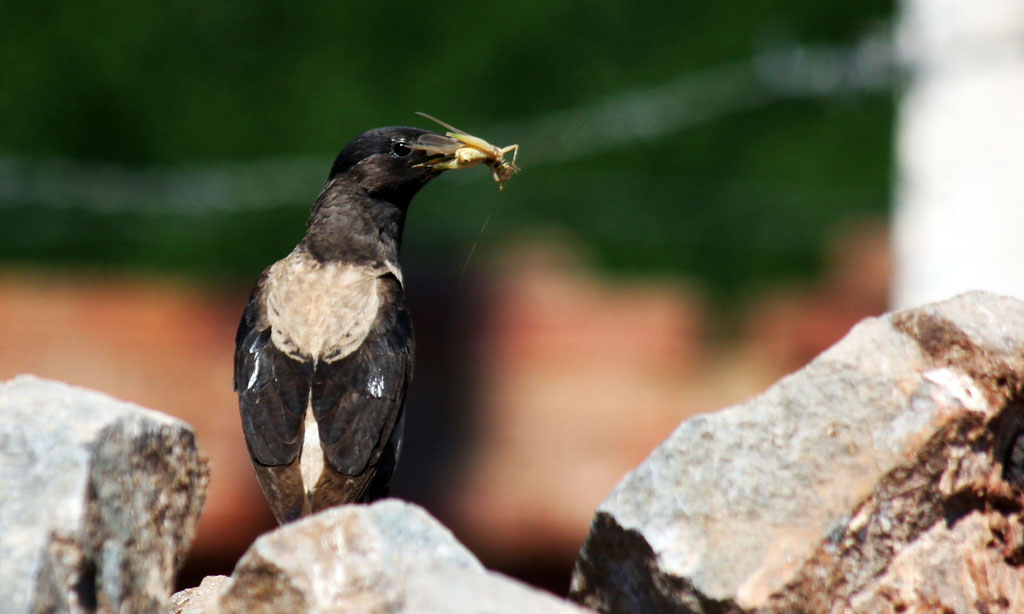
[400,149]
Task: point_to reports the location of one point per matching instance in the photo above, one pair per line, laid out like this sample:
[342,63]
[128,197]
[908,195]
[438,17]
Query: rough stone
[883,477]
[386,557]
[199,599]
[100,500]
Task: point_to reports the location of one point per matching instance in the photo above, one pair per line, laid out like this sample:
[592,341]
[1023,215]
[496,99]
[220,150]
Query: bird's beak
[442,148]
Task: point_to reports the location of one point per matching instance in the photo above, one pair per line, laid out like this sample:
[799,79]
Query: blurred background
[705,205]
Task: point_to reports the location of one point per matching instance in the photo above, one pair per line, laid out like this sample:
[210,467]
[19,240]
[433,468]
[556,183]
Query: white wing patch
[376,386]
[311,461]
[321,310]
[255,372]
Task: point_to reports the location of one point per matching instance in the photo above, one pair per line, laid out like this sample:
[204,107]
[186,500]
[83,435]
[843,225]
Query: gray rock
[883,477]
[100,500]
[199,599]
[386,557]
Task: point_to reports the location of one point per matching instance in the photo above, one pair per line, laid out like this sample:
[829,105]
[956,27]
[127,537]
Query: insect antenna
[446,125]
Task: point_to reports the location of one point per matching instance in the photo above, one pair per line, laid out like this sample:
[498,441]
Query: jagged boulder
[389,557]
[100,500]
[885,476]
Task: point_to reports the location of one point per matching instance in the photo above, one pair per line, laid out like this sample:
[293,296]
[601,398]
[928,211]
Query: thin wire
[635,115]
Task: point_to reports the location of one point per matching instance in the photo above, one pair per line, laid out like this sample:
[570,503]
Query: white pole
[959,219]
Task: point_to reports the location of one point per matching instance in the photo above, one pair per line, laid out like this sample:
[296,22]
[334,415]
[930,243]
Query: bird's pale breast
[321,310]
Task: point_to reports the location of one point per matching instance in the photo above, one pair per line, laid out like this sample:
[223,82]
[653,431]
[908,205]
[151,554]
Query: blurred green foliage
[740,199]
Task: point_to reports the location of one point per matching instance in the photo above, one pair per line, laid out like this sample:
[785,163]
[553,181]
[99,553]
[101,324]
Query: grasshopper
[470,151]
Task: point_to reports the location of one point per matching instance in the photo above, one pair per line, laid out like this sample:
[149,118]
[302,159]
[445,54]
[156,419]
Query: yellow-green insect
[470,151]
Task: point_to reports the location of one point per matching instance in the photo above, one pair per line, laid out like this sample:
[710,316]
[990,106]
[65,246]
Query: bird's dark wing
[357,400]
[273,389]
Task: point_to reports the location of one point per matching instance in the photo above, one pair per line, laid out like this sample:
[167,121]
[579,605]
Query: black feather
[273,389]
[357,400]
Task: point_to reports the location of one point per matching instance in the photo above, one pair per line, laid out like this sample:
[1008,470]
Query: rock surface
[386,557]
[883,477]
[199,599]
[100,500]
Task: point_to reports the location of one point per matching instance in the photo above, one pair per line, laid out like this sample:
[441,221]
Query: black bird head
[392,163]
[360,214]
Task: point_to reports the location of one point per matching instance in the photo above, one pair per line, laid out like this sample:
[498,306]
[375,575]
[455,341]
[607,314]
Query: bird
[324,349]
